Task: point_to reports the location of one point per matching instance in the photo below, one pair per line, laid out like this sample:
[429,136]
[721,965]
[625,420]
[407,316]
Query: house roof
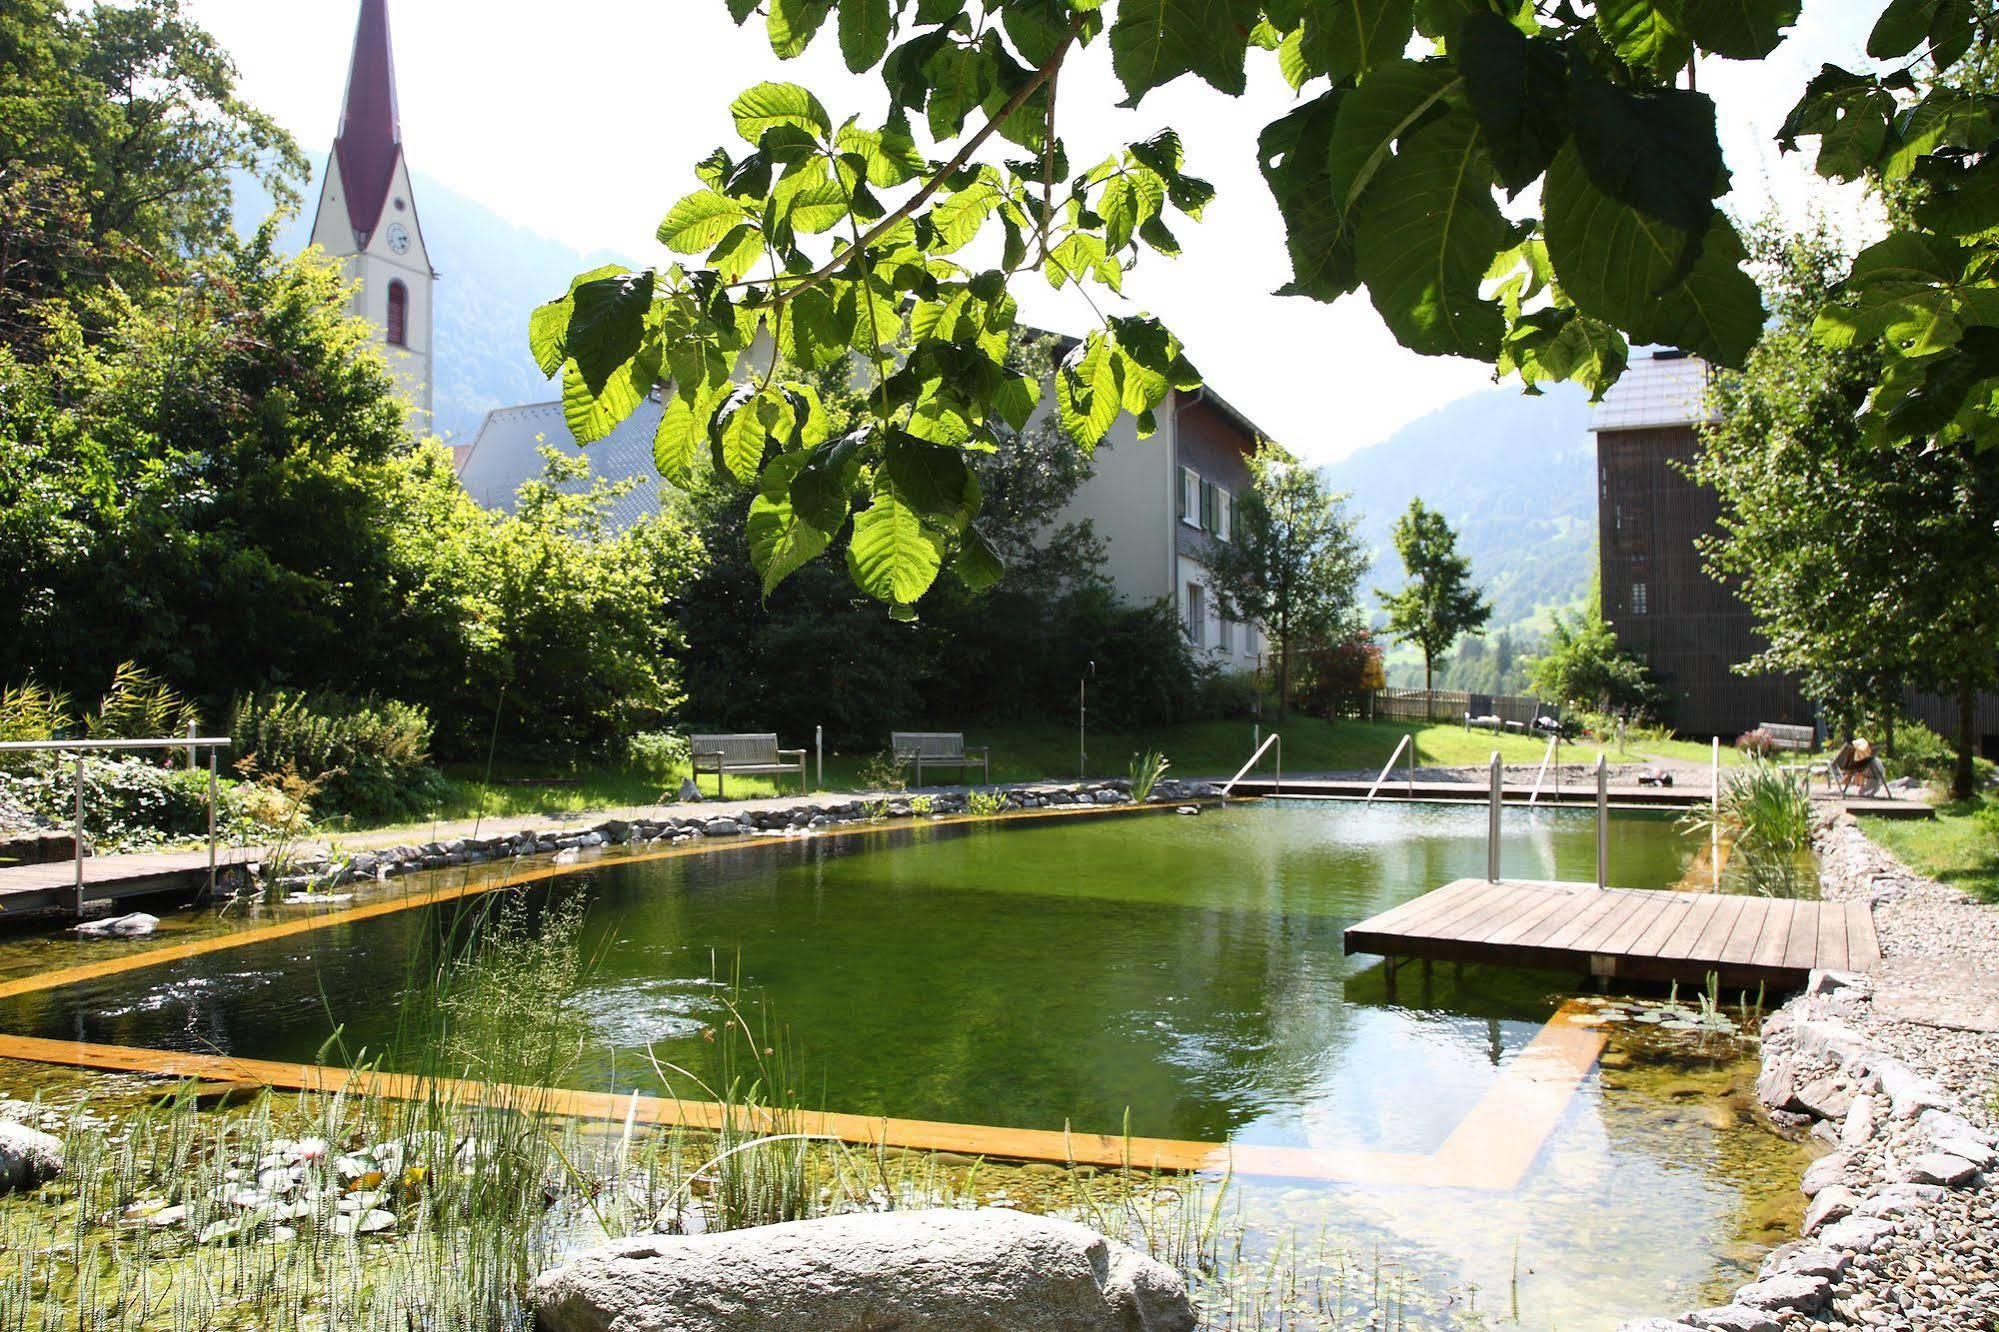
[503,456]
[370,137]
[1664,389]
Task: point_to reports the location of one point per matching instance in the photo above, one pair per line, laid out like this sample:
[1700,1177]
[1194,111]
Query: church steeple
[367,213]
[370,140]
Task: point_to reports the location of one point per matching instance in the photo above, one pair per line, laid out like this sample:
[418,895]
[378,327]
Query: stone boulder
[921,1271]
[27,1156]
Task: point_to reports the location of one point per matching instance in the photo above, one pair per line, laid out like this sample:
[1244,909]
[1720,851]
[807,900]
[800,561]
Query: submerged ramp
[1625,933]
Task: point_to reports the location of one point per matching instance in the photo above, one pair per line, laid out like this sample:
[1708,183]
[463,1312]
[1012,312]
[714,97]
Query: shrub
[140,706]
[370,757]
[1758,743]
[1335,680]
[30,712]
[128,803]
[1230,694]
[661,755]
[1919,752]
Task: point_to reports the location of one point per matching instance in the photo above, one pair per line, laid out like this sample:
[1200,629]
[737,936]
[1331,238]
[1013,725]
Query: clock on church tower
[367,214]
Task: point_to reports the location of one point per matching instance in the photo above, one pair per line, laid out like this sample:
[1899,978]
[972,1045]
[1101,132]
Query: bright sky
[582,121]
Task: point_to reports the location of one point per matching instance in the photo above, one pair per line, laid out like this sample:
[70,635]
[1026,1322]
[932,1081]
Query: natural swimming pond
[1181,975]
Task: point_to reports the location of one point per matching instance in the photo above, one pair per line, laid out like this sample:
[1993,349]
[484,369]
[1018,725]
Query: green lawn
[1028,753]
[1953,848]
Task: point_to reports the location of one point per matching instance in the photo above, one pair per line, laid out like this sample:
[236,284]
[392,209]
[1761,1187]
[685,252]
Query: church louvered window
[399,314]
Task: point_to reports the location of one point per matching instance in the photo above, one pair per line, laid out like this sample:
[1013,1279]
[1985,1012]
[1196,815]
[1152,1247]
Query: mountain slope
[491,273]
[1514,475]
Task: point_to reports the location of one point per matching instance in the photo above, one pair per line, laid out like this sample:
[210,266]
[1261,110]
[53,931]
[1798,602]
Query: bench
[742,753]
[1480,712]
[1797,739]
[940,749]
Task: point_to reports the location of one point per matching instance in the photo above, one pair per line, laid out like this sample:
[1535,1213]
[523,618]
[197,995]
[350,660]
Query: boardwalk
[1625,933]
[52,886]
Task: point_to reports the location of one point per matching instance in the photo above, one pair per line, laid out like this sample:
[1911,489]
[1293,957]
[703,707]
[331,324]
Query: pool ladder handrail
[1541,774]
[1495,795]
[1407,742]
[1277,787]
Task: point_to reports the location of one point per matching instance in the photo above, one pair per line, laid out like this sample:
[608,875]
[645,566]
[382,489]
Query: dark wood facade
[1690,629]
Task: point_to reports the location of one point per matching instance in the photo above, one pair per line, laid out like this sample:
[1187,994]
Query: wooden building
[1665,608]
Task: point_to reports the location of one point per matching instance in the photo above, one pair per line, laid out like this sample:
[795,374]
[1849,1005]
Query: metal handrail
[190,743]
[1542,772]
[1602,821]
[66,746]
[1274,738]
[1407,742]
[1495,798]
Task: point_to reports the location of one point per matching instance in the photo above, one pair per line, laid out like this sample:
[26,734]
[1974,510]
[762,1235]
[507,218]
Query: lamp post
[1083,722]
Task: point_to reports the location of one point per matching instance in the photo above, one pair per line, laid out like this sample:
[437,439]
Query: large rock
[136,925]
[27,1156]
[922,1271]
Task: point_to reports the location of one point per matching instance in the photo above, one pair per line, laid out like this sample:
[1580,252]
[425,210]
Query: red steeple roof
[370,137]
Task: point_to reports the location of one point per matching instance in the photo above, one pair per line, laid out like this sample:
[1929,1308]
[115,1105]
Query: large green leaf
[1393,101]
[1088,394]
[1738,29]
[1559,343]
[1154,42]
[1912,290]
[1518,90]
[1657,152]
[792,23]
[1345,38]
[1628,269]
[823,487]
[1646,33]
[781,540]
[1292,152]
[700,220]
[607,323]
[930,478]
[891,555]
[865,26]
[1428,231]
[1901,28]
[769,105]
[978,563]
[594,410]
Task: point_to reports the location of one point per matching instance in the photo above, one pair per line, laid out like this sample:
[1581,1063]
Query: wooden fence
[1448,705]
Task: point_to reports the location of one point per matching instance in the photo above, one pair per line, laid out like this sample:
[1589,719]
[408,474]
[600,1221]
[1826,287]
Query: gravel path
[1895,1074]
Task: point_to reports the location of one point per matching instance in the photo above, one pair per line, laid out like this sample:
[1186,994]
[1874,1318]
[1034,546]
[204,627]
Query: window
[1638,598]
[399,314]
[1223,501]
[1197,615]
[1190,497]
[1225,634]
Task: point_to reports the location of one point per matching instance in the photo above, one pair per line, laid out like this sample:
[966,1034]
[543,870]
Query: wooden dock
[1625,933]
[52,886]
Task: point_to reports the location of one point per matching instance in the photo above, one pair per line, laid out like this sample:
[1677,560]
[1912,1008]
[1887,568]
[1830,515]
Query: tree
[119,128]
[1868,566]
[1438,605]
[1291,563]
[1584,665]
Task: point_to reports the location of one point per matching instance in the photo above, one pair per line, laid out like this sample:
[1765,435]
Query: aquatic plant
[985,802]
[1146,770]
[921,806]
[1764,815]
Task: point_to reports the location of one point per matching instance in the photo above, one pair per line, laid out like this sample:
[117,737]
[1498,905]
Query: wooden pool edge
[1491,1149]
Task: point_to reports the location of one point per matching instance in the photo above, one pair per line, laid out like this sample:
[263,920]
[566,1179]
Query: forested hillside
[1514,475]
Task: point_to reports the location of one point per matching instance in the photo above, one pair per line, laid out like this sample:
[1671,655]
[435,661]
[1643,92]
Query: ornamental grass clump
[1764,816]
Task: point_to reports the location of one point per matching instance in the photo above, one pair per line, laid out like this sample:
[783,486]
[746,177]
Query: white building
[367,213]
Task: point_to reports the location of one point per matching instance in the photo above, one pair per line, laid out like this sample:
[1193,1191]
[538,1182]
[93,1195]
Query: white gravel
[1895,1074]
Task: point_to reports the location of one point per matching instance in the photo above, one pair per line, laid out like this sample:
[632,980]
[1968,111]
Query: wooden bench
[743,753]
[1796,739]
[940,749]
[1479,711]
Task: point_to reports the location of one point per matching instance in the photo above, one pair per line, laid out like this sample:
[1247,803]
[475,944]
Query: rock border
[315,873]
[1900,1231]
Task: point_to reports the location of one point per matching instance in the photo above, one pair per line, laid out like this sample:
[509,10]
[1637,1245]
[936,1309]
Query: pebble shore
[1894,1074]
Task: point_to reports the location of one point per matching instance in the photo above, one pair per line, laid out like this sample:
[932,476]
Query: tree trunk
[1283,679]
[1961,781]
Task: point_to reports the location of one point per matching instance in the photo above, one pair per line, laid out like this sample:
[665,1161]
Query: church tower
[367,214]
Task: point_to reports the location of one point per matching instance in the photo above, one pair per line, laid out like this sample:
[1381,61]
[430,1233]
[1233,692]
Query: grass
[1957,847]
[1021,753]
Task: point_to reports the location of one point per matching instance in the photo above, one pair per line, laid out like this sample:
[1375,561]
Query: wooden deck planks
[1629,933]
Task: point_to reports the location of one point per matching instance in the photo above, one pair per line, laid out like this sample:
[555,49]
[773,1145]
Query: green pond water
[1182,975]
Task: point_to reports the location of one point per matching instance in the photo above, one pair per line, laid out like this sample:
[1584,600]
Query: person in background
[1855,760]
